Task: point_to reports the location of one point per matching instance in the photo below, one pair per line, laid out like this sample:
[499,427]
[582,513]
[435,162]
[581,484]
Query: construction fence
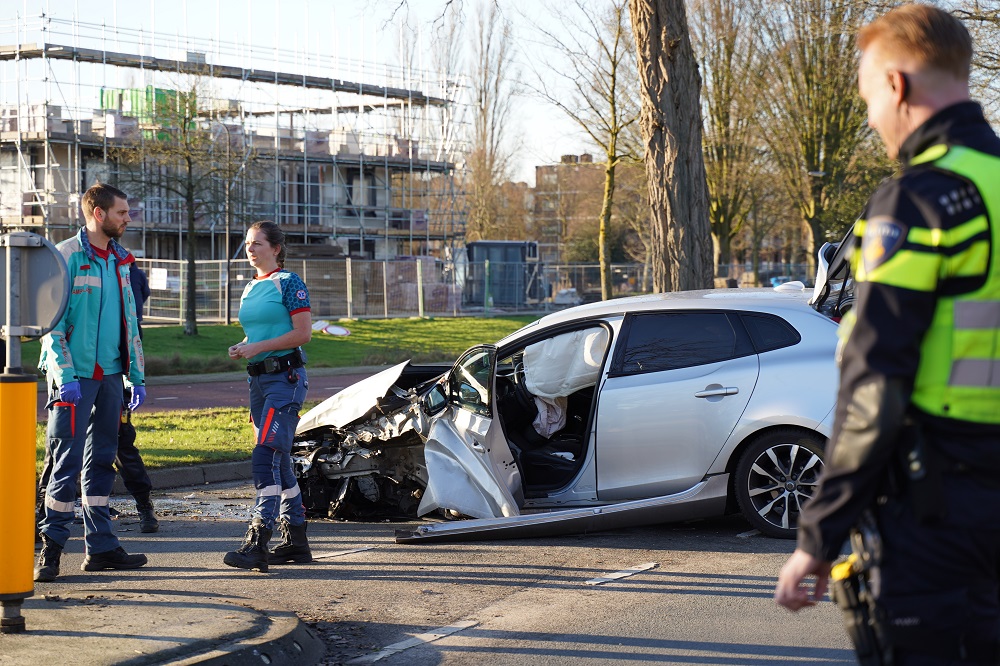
[414,287]
[357,289]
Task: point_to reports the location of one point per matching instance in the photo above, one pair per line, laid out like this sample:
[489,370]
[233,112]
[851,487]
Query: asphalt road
[704,598]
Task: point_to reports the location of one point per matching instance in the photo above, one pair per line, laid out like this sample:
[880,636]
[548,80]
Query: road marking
[419,639]
[165,397]
[342,552]
[624,573]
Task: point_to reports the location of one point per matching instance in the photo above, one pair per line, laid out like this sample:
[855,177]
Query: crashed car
[632,411]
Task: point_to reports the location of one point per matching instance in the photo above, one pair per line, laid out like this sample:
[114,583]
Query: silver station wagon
[633,411]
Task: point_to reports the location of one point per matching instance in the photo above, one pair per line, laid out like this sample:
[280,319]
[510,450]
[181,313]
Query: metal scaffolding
[363,166]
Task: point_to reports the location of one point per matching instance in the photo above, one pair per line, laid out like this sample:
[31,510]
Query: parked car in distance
[638,410]
[568,296]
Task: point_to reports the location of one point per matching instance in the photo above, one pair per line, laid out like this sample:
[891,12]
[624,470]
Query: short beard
[112,230]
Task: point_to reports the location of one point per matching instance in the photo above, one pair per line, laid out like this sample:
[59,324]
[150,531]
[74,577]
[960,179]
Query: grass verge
[203,436]
[371,342]
[192,437]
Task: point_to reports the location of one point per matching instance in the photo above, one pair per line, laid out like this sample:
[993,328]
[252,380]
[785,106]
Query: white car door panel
[466,472]
[678,383]
[658,432]
[470,468]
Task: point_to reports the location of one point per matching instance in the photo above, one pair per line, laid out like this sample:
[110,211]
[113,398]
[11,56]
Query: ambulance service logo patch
[301,294]
[883,237]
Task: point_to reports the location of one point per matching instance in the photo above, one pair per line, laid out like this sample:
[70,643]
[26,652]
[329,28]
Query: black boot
[112,559]
[148,522]
[253,553]
[48,561]
[294,546]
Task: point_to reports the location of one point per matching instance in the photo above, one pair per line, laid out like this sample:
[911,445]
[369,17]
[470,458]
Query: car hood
[353,403]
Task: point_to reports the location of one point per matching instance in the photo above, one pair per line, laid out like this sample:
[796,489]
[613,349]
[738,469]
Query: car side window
[671,340]
[769,332]
[470,380]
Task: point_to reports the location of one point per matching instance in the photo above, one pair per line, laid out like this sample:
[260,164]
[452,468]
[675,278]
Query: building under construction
[362,166]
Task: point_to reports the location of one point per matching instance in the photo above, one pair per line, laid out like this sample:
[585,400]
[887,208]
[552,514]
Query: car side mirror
[435,400]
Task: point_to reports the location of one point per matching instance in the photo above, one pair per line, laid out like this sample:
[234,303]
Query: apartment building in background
[362,166]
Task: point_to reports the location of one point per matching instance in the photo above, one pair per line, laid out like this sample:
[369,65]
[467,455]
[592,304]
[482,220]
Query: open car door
[470,467]
[833,294]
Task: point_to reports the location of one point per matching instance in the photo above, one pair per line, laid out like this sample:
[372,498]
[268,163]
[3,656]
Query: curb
[287,641]
[180,477]
[120,626]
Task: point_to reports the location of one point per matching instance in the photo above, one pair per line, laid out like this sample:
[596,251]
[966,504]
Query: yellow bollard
[18,406]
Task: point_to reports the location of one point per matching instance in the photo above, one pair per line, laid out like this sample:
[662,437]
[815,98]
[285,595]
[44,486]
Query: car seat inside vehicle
[544,397]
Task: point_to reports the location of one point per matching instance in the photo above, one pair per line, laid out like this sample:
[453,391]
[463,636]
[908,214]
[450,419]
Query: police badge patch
[883,236]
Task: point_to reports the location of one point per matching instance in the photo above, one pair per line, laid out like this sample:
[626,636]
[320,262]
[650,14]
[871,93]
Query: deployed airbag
[551,416]
[563,365]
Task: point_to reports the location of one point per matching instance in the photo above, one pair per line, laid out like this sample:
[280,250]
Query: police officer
[916,437]
[129,461]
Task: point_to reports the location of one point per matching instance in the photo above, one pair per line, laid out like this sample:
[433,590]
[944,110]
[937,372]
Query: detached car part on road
[631,411]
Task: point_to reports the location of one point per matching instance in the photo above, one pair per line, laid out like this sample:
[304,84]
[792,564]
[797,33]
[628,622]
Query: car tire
[776,474]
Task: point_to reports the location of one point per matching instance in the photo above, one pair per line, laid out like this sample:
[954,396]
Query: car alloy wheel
[775,476]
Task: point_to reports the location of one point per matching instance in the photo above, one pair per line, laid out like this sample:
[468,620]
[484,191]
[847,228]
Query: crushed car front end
[367,465]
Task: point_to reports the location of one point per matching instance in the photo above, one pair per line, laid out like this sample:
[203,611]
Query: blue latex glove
[138,397]
[70,392]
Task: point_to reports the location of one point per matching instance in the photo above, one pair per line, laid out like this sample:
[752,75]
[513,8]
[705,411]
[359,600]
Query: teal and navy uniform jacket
[68,351]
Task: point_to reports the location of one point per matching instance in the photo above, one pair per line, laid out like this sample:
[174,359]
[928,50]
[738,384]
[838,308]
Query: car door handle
[717,390]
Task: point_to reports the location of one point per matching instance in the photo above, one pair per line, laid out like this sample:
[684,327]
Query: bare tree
[671,128]
[814,121]
[769,216]
[602,85]
[727,46]
[982,17]
[443,137]
[492,82]
[632,210]
[187,156]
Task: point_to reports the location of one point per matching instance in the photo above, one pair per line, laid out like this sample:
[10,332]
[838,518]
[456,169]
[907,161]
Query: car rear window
[670,340]
[770,332]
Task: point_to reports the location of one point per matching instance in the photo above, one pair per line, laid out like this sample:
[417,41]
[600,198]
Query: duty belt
[273,364]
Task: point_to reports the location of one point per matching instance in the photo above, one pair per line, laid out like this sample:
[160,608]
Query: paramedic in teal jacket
[86,357]
[276,317]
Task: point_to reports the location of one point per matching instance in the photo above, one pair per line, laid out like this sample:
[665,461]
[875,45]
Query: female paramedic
[275,315]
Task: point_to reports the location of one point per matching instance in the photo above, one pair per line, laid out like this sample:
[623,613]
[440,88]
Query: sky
[360,36]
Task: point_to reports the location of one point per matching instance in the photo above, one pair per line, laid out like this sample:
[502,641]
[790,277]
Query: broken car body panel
[705,499]
[353,402]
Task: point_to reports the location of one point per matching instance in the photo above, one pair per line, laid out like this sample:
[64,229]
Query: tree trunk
[671,130]
[602,237]
[756,263]
[190,271]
